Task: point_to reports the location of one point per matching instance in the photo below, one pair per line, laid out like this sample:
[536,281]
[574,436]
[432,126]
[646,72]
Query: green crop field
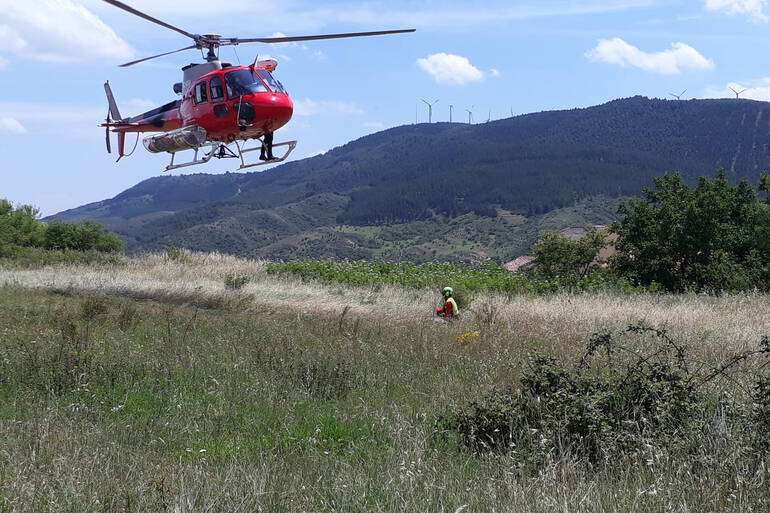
[465,279]
[206,383]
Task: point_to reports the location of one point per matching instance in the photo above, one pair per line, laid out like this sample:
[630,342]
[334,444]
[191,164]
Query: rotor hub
[210,42]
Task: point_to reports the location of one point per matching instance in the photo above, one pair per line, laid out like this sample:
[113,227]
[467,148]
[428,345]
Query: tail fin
[114,112]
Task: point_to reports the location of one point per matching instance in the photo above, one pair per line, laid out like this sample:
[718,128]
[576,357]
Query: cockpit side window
[217,92]
[201,93]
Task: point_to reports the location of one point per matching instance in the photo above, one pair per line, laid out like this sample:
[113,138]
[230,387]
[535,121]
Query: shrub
[236,281]
[614,401]
[174,253]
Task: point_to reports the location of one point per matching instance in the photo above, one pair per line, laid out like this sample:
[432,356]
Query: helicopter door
[200,99]
[223,114]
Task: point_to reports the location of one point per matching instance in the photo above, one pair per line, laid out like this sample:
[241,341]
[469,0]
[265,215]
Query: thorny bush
[614,401]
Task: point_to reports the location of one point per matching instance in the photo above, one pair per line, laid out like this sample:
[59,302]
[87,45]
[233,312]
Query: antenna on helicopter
[430,109]
[678,96]
[210,43]
[738,93]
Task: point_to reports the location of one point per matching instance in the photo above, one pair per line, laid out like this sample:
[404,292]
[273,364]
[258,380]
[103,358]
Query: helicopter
[221,106]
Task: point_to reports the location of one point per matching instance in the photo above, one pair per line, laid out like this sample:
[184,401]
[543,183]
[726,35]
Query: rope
[136,143]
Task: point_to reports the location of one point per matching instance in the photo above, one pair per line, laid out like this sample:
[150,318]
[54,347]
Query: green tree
[81,237]
[562,257]
[711,237]
[20,226]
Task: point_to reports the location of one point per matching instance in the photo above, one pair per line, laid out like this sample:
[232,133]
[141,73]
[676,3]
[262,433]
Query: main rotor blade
[156,56]
[130,9]
[293,39]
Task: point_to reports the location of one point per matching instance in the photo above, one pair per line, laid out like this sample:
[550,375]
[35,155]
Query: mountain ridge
[421,175]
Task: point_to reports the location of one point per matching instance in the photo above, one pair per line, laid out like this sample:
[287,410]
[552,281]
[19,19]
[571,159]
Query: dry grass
[733,322]
[199,279]
[728,323]
[283,396]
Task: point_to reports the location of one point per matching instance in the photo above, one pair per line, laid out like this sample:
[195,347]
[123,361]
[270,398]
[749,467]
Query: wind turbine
[678,96]
[490,116]
[430,109]
[738,93]
[470,115]
[451,110]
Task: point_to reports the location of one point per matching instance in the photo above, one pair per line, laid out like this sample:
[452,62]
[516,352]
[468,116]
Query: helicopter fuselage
[231,103]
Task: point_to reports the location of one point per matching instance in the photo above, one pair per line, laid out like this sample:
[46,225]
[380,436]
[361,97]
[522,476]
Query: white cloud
[307,107]
[3,63]
[494,73]
[673,61]
[450,69]
[758,89]
[754,9]
[11,125]
[58,31]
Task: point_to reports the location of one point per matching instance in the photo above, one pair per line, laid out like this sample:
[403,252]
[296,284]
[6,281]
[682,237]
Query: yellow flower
[468,337]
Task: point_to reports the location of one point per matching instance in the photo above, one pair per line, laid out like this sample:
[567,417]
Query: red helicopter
[221,105]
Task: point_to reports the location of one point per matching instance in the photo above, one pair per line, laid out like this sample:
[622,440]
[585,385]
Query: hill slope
[445,190]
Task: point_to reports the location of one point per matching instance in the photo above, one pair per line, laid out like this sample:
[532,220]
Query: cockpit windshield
[274,84]
[242,82]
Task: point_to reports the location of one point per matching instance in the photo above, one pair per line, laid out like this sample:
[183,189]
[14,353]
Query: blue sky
[498,56]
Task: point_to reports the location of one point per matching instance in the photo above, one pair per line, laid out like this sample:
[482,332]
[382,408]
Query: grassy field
[197,383]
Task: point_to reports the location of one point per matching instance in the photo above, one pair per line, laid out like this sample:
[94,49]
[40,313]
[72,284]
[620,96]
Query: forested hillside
[427,191]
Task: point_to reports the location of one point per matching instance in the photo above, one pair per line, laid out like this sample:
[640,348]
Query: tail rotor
[107,133]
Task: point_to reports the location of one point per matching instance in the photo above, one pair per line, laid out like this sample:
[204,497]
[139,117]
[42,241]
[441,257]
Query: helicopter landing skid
[195,161]
[222,151]
[243,150]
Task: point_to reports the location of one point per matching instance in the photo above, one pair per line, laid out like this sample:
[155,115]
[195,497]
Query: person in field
[449,311]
